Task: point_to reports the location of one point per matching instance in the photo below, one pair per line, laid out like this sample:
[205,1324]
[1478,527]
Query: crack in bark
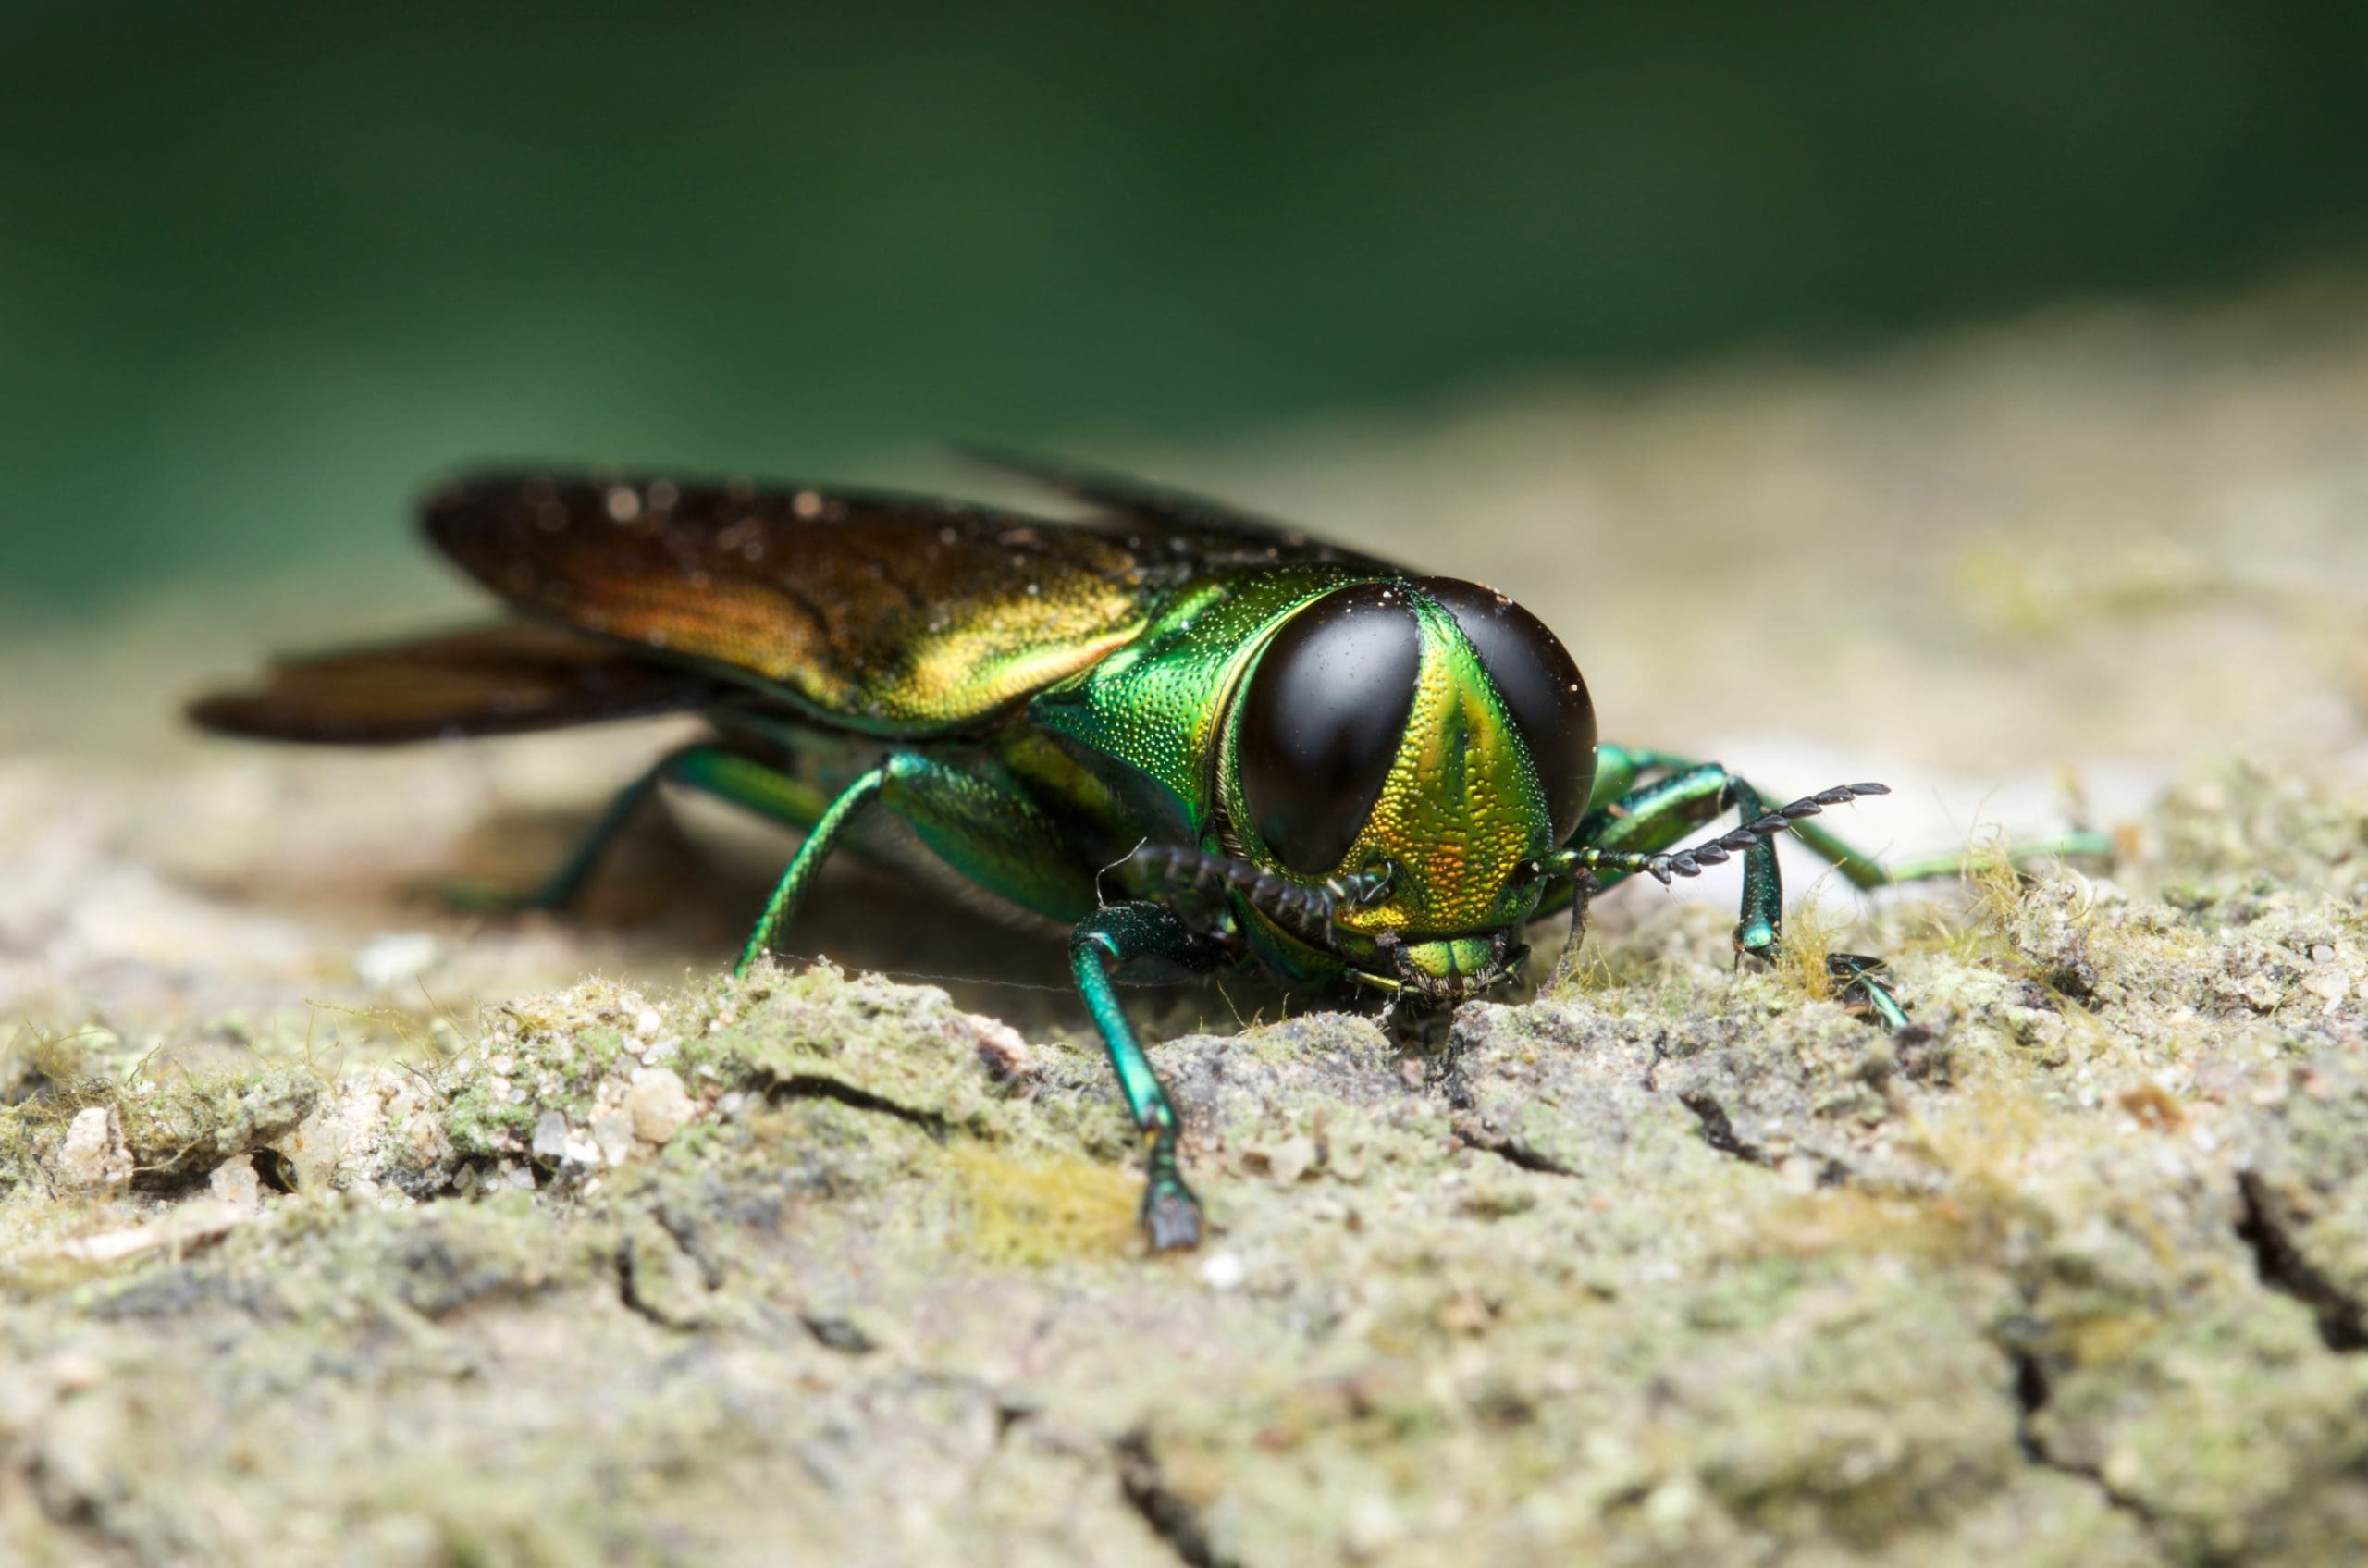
[2283,1268]
[1171,1517]
[687,1236]
[629,1288]
[1508,1148]
[631,1258]
[842,1333]
[2031,1391]
[1719,1129]
[814,1086]
[2030,1398]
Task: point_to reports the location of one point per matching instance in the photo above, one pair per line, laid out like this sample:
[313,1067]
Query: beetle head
[1421,747]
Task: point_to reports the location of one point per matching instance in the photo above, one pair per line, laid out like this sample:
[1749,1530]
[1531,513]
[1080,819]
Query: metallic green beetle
[1185,736]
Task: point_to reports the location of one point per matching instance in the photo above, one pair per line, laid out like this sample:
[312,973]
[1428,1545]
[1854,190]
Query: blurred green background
[265,268]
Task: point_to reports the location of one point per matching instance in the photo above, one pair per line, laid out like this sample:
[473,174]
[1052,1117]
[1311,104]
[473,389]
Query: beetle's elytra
[1187,736]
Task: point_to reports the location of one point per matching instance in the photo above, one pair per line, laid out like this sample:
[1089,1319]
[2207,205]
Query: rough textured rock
[93,1156]
[1694,1268]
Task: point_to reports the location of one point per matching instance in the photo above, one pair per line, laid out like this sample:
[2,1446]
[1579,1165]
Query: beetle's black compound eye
[1542,690]
[1321,722]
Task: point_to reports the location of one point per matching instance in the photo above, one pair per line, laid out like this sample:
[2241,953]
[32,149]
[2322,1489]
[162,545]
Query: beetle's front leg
[1758,930]
[1104,941]
[1636,832]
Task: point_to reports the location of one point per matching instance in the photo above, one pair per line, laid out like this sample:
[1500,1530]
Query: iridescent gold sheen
[897,614]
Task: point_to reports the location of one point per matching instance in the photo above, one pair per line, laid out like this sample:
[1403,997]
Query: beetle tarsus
[1171,1215]
[1861,992]
[470,895]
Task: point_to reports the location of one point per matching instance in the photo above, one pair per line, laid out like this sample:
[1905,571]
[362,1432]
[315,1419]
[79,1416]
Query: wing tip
[446,500]
[217,711]
[248,715]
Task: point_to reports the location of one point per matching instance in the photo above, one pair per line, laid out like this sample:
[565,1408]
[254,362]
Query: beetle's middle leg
[996,835]
[981,821]
[975,817]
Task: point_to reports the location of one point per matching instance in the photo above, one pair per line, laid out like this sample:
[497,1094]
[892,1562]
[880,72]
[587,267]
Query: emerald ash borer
[1184,735]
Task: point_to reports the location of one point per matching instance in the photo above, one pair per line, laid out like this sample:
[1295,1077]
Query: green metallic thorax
[1147,717]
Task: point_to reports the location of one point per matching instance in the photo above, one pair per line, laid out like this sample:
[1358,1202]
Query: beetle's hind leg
[564,886]
[705,766]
